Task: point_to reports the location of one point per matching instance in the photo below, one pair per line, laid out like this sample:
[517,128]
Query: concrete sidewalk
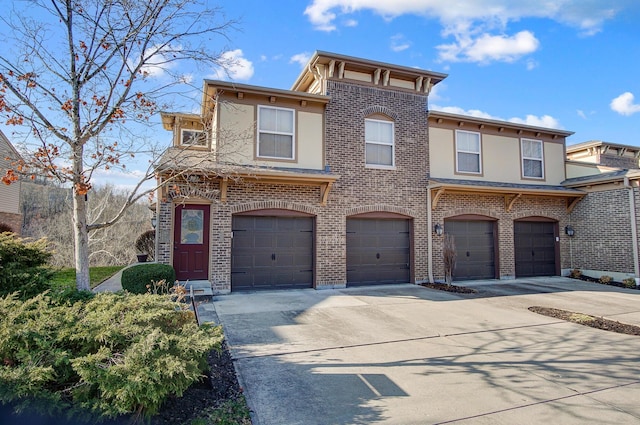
[405,354]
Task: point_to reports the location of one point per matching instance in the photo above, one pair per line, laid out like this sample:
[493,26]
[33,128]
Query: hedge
[139,278]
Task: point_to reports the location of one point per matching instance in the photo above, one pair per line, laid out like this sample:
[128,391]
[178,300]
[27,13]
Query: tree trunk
[81,240]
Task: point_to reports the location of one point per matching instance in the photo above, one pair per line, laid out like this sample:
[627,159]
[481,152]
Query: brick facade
[493,206]
[603,232]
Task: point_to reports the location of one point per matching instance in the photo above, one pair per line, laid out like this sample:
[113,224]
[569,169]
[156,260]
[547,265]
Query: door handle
[468,254]
[273,257]
[378,255]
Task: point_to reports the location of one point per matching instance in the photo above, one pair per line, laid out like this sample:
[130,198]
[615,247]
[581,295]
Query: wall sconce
[569,231]
[154,222]
[438,229]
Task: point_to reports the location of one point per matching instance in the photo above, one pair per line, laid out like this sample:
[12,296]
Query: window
[192,137]
[468,152]
[379,145]
[275,132]
[532,159]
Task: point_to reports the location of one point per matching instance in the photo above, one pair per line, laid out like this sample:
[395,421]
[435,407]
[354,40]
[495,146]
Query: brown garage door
[535,245]
[272,253]
[475,247]
[378,251]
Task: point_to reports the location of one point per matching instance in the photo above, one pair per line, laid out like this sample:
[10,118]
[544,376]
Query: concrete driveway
[405,354]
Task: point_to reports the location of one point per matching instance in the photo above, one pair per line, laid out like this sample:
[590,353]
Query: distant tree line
[47,212]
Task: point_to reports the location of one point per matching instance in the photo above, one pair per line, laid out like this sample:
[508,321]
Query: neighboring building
[10,214]
[344,179]
[605,154]
[606,220]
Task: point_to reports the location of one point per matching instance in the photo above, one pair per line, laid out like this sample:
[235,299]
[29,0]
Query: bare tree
[84,76]
[47,213]
[449,257]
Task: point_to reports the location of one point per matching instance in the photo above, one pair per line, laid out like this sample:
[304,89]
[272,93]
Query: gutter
[634,227]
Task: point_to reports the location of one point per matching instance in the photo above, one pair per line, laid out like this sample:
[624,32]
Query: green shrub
[114,354]
[22,266]
[629,283]
[138,279]
[604,279]
[146,244]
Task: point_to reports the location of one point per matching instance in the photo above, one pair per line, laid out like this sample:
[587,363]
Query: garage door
[475,248]
[272,253]
[535,246]
[377,251]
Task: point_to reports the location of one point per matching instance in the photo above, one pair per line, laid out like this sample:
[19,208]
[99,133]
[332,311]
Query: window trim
[541,159]
[392,144]
[479,153]
[292,134]
[193,130]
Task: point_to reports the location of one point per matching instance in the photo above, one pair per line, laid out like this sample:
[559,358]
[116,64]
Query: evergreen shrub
[139,278]
[116,354]
[23,266]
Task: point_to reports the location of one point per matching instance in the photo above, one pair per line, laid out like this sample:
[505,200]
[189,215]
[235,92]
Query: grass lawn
[97,275]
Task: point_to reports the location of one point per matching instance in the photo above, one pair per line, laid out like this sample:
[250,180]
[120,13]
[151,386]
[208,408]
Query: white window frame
[292,134]
[479,152]
[190,130]
[523,158]
[392,144]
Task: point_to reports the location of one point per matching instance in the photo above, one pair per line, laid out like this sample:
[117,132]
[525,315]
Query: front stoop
[199,289]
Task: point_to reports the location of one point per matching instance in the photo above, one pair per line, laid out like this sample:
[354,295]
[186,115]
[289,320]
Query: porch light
[569,231]
[154,222]
[438,229]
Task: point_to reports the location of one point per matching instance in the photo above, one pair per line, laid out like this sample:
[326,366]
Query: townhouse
[348,179]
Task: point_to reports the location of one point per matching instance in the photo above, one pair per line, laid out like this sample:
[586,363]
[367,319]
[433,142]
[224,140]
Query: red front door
[191,242]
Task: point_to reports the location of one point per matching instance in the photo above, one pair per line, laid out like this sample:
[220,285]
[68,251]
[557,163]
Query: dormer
[188,130]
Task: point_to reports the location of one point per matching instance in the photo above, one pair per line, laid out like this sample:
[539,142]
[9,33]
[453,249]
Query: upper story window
[190,137]
[468,152]
[276,132]
[532,159]
[379,143]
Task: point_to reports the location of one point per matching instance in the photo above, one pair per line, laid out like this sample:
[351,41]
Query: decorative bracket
[436,197]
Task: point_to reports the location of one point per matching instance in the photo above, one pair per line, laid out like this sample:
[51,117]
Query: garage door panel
[378,251]
[272,252]
[475,248]
[535,248]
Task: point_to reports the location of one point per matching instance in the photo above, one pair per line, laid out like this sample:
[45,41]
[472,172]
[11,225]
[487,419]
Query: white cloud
[398,43]
[235,66]
[469,112]
[624,104]
[581,114]
[486,48]
[587,15]
[478,26]
[300,58]
[350,23]
[531,64]
[546,121]
[159,60]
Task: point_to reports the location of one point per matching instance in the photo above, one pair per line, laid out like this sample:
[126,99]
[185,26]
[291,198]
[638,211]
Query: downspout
[429,237]
[634,227]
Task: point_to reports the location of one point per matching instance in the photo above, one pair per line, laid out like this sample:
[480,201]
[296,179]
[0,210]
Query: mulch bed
[587,320]
[219,386]
[450,288]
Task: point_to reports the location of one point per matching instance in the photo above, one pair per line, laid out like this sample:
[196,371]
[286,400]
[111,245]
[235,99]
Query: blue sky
[569,64]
